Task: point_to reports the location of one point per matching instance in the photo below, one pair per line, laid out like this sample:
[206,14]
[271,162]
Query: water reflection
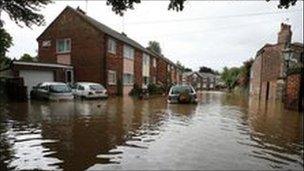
[124,133]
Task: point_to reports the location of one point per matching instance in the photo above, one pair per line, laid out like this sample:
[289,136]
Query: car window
[44,87]
[80,87]
[59,89]
[96,87]
[180,89]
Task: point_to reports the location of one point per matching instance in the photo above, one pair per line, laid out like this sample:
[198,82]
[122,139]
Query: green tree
[154,46]
[184,69]
[230,77]
[5,42]
[27,58]
[244,77]
[20,11]
[120,6]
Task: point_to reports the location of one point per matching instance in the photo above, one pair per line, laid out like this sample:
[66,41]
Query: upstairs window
[111,46]
[128,52]
[154,62]
[146,59]
[63,45]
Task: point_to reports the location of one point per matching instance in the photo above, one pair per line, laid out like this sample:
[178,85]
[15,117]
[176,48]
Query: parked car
[52,91]
[182,94]
[89,90]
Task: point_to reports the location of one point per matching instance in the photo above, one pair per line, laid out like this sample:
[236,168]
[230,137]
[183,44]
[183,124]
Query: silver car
[182,94]
[52,91]
[89,90]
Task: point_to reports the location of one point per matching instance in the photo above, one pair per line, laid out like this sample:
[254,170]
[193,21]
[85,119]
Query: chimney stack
[284,36]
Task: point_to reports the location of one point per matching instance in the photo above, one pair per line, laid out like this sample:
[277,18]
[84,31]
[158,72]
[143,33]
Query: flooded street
[221,132]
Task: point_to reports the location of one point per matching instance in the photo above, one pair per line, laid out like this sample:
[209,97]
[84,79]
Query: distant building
[268,77]
[202,80]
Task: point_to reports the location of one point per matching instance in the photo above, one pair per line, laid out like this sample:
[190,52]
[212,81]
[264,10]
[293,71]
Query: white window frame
[154,62]
[146,59]
[128,82]
[112,82]
[67,41]
[111,46]
[128,52]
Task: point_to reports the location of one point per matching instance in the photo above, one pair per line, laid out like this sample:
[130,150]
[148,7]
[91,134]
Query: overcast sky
[213,34]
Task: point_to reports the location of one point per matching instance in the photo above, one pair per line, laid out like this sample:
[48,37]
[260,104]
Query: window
[63,45]
[80,88]
[154,62]
[112,77]
[128,79]
[128,52]
[111,46]
[146,59]
[168,67]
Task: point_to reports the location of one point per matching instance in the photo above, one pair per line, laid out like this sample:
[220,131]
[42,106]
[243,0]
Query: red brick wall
[293,91]
[138,68]
[161,71]
[86,49]
[115,62]
[153,70]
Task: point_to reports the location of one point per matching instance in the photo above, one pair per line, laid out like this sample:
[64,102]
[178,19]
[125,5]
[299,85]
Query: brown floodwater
[223,131]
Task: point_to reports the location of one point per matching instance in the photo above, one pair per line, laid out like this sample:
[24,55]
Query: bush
[155,89]
[136,91]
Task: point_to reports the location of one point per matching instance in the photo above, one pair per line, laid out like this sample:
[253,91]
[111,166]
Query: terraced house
[101,54]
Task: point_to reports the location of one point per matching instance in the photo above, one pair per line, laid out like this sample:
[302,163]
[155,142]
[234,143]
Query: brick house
[100,54]
[268,72]
[202,80]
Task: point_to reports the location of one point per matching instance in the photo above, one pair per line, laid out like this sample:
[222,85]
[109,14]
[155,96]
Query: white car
[89,90]
[52,91]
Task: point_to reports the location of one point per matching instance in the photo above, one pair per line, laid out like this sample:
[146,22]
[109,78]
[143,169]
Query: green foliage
[154,46]
[230,76]
[25,11]
[295,70]
[120,6]
[136,91]
[5,42]
[207,70]
[155,89]
[184,69]
[27,58]
[244,77]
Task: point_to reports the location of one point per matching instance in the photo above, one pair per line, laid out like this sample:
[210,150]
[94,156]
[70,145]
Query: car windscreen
[59,89]
[181,89]
[96,87]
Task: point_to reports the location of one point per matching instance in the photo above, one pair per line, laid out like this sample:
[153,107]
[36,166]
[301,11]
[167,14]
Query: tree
[207,70]
[5,42]
[154,46]
[120,6]
[21,11]
[27,58]
[184,69]
[230,76]
[244,77]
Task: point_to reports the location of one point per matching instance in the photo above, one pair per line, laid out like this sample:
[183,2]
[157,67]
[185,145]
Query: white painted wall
[32,78]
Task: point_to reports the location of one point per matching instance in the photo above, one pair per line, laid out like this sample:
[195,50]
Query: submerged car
[52,91]
[182,94]
[89,90]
